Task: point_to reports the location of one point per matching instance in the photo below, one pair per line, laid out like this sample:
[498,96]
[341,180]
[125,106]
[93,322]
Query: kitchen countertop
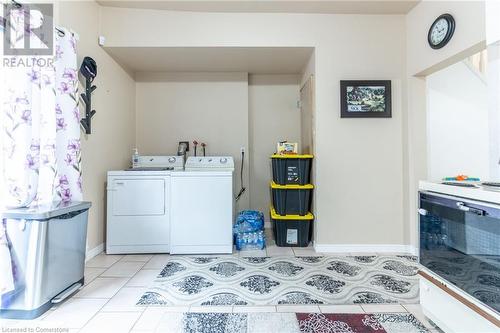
[480,193]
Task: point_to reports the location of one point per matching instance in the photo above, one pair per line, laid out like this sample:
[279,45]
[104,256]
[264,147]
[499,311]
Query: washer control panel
[210,163]
[174,162]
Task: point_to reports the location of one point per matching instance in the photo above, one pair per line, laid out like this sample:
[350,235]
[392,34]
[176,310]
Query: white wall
[469,33]
[421,60]
[109,147]
[493,78]
[457,123]
[309,69]
[227,111]
[206,107]
[492,22]
[358,162]
[273,117]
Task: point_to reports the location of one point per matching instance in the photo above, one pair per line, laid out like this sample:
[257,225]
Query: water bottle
[135,158]
[260,240]
[241,241]
[245,241]
[237,241]
[256,240]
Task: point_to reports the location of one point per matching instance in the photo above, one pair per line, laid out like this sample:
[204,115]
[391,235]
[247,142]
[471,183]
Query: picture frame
[365,99]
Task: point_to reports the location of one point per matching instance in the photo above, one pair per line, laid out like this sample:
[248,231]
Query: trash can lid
[309,216]
[291,156]
[46,211]
[291,186]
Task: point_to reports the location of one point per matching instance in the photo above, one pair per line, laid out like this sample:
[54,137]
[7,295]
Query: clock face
[441,31]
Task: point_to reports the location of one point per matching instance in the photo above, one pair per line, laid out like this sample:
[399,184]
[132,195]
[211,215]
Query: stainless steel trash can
[47,246]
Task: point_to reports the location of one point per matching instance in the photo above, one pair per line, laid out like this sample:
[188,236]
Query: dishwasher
[47,247]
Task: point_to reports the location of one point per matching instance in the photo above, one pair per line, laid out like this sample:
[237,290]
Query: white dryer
[202,207]
[138,201]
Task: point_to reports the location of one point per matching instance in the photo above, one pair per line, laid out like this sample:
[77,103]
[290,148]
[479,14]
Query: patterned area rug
[290,323]
[284,280]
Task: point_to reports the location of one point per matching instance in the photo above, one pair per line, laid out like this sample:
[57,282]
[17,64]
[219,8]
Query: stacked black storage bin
[291,194]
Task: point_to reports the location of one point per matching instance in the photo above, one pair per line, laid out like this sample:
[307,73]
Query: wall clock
[441,31]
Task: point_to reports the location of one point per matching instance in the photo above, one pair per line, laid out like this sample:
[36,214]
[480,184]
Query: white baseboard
[323,248]
[365,248]
[93,252]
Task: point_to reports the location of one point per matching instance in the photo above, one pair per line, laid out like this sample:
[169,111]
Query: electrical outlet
[102,40]
[242,149]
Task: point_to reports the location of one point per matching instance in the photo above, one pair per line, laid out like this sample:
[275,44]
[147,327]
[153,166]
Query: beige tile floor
[114,283]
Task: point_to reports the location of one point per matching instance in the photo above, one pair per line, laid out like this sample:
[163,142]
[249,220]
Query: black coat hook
[89,70]
[89,113]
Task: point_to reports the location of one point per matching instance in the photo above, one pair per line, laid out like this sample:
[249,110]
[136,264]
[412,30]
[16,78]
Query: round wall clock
[441,31]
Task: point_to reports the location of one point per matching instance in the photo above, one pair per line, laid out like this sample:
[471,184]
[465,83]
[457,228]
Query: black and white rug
[231,280]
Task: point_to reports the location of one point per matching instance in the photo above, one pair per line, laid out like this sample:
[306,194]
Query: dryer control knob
[171,160]
[223,160]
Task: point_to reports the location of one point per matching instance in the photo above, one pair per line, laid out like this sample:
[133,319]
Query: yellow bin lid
[275,216]
[291,187]
[291,156]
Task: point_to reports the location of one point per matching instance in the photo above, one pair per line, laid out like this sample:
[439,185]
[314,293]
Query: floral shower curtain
[40,130]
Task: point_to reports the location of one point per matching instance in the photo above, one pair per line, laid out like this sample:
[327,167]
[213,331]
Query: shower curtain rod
[61,33]
[16,4]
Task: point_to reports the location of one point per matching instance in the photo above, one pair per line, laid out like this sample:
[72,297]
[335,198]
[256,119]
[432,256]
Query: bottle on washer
[135,158]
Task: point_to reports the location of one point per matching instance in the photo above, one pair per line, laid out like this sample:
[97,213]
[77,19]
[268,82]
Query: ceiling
[273,6]
[255,60]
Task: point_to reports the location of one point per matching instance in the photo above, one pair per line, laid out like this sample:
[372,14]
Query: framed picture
[365,99]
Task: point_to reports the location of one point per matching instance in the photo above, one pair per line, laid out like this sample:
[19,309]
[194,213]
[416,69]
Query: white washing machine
[138,201]
[202,207]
